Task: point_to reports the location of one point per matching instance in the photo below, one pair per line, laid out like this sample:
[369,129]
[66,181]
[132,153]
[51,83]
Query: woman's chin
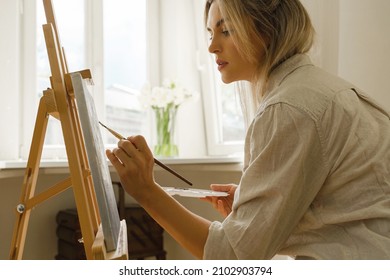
[227,80]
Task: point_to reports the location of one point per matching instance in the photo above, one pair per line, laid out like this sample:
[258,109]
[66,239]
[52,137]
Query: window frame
[213,116]
[210,92]
[94,59]
[94,56]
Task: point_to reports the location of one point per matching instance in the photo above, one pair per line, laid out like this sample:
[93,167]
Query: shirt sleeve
[286,169]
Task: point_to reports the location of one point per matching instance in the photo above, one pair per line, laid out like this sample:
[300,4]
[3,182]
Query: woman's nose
[214,47]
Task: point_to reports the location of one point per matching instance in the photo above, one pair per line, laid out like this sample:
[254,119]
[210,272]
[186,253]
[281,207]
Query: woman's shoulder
[308,88]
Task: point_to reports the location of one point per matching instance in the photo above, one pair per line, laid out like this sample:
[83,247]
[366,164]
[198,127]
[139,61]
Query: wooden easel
[59,102]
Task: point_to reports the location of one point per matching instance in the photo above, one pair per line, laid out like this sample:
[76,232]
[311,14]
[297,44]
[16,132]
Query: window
[224,120]
[223,117]
[99,35]
[72,38]
[124,64]
[229,112]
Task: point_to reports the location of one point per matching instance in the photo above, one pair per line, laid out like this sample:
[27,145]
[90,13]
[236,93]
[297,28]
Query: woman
[316,181]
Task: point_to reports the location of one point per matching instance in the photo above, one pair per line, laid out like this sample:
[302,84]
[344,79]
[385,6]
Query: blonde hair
[282,27]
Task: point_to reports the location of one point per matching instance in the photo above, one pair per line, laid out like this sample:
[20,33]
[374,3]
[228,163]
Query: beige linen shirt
[316,180]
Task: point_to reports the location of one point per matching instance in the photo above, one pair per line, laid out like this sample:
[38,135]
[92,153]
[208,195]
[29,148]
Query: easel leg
[29,182]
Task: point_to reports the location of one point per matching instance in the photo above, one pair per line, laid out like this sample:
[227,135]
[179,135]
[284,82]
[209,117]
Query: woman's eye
[210,35]
[225,32]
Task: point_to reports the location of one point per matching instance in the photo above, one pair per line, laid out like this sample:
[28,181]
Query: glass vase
[165,119]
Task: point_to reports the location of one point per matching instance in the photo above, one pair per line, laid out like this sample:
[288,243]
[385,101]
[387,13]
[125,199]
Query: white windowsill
[14,168]
[16,164]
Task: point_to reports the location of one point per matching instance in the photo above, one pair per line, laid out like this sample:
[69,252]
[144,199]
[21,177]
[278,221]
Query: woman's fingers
[221,208]
[135,149]
[134,163]
[220,187]
[140,144]
[114,160]
[128,148]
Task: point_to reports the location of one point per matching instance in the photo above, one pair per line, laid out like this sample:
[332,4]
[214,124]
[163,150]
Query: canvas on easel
[104,236]
[97,161]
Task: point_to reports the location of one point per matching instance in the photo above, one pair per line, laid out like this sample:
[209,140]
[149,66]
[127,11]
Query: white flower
[160,97]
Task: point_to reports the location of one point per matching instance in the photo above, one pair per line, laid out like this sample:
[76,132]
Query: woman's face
[232,66]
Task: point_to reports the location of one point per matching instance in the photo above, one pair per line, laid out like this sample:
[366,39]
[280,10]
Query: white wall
[9,78]
[365,46]
[354,42]
[325,18]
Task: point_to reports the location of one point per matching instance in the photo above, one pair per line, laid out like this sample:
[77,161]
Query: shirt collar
[286,68]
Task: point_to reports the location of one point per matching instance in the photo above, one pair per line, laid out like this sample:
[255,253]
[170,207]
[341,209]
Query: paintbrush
[159,163]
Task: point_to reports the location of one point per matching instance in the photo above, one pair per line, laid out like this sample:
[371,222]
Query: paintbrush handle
[120,137]
[159,163]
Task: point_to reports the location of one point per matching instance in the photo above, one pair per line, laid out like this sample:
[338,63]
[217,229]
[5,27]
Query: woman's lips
[221,64]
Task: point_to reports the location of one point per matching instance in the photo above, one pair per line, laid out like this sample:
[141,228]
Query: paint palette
[190,192]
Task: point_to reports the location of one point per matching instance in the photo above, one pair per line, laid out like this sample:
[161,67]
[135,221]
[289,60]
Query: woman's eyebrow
[219,22]
[217,25]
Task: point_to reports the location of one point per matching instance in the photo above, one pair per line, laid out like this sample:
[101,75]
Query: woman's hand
[223,204]
[134,163]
